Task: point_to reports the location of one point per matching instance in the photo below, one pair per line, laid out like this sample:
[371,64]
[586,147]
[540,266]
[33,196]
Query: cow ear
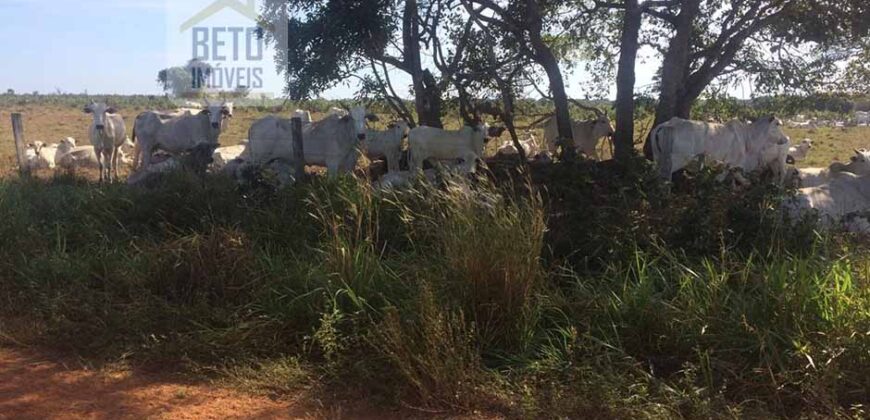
[87,109]
[372,117]
[112,110]
[346,118]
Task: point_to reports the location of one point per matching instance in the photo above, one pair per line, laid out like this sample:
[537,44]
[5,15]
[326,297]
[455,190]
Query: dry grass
[51,123]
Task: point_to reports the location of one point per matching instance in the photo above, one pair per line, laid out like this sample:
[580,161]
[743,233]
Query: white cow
[47,155]
[195,159]
[843,195]
[38,155]
[177,133]
[192,105]
[386,144]
[70,156]
[862,117]
[799,152]
[859,164]
[332,142]
[530,146]
[586,134]
[336,111]
[108,133]
[224,155]
[303,115]
[773,157]
[30,157]
[434,143]
[127,150]
[398,179]
[735,144]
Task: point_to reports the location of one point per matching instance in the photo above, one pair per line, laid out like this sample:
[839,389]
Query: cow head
[773,132]
[602,127]
[859,163]
[861,156]
[218,113]
[484,130]
[66,145]
[806,144]
[99,110]
[36,146]
[358,117]
[401,126]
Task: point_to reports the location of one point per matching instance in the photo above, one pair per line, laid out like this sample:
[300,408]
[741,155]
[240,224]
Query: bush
[576,290]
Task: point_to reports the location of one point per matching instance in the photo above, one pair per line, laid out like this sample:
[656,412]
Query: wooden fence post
[298,149]
[20,148]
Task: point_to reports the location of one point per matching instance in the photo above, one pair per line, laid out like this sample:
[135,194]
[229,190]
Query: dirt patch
[37,386]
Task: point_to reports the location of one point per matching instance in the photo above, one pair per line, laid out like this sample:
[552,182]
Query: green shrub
[577,290]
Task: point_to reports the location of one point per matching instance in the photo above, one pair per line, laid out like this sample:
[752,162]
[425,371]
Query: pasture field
[568,291]
[50,123]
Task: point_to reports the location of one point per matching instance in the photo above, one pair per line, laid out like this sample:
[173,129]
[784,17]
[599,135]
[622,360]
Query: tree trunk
[427,96]
[507,116]
[429,109]
[560,99]
[675,66]
[623,141]
[544,56]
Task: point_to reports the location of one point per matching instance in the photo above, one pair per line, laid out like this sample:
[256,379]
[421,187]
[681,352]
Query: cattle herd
[160,140]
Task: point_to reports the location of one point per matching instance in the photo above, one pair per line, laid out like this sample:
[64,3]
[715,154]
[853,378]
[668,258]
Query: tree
[333,40]
[10,91]
[632,13]
[784,43]
[492,68]
[527,21]
[187,80]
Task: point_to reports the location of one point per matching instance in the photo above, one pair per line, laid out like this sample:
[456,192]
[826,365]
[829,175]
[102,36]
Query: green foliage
[602,294]
[188,81]
[325,41]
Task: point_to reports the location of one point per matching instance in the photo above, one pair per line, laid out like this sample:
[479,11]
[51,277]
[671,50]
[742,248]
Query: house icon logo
[247,9]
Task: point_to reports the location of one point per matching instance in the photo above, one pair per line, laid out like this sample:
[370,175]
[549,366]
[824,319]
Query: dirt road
[33,386]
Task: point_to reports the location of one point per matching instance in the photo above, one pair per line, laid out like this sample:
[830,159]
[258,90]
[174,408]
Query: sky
[118,47]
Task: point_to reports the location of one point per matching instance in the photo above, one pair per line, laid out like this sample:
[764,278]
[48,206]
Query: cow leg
[417,160]
[107,157]
[115,163]
[107,165]
[146,151]
[99,154]
[393,162]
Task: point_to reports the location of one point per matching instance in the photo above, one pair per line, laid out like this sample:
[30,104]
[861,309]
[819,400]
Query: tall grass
[599,294]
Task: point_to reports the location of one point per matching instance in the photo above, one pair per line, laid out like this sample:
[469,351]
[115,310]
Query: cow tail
[662,147]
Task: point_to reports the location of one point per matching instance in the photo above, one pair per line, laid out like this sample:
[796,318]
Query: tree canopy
[504,49]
